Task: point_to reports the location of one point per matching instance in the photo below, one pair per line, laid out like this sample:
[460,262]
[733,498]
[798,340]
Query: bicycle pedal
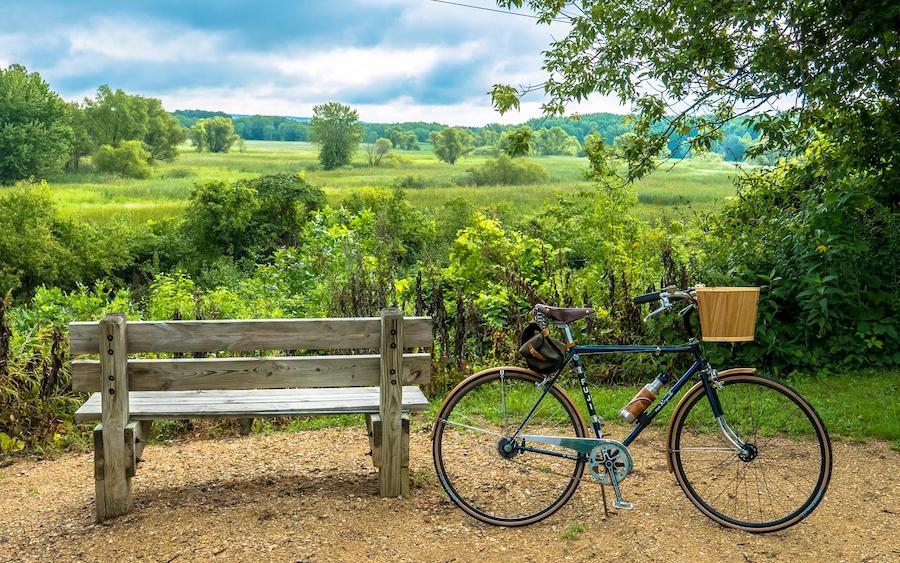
[623,505]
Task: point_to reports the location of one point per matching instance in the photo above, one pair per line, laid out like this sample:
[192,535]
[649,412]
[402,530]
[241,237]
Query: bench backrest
[370,336]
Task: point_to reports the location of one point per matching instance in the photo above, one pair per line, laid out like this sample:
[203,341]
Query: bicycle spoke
[479,469]
[773,477]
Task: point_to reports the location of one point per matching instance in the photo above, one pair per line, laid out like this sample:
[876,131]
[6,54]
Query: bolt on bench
[128,394]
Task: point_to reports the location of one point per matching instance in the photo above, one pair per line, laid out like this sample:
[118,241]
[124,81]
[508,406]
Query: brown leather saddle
[563,314]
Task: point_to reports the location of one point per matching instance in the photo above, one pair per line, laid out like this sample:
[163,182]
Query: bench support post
[391,404]
[113,484]
[373,426]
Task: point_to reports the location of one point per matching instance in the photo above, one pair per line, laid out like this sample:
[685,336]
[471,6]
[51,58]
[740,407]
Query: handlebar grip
[646,298]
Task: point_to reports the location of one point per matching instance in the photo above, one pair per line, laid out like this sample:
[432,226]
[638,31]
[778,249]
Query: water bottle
[643,399]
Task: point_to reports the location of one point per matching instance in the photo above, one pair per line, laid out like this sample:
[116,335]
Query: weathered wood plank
[375,437]
[114,416]
[271,372]
[252,334]
[391,401]
[256,403]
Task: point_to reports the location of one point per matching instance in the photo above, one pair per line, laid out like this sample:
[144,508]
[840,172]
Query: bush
[506,170]
[249,218]
[178,173]
[129,159]
[821,238]
[39,246]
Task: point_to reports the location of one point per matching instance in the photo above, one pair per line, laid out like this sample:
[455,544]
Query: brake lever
[656,312]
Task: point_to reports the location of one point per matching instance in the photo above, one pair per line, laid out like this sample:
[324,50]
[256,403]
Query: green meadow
[677,188]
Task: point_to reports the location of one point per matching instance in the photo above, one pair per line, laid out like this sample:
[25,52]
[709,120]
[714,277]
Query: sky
[392,60]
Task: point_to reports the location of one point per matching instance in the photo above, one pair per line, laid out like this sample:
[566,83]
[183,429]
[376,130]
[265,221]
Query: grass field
[687,186]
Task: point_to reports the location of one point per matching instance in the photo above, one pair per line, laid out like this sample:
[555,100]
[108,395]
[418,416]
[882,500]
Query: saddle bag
[543,353]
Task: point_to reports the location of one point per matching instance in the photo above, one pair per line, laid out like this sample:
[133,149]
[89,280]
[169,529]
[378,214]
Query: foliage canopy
[35,135]
[336,129]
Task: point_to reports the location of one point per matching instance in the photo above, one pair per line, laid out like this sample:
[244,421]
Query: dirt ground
[312,496]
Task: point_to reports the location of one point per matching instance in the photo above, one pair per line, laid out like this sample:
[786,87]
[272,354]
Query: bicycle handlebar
[646,298]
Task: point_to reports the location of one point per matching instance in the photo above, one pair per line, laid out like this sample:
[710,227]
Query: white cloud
[144,41]
[334,70]
[289,78]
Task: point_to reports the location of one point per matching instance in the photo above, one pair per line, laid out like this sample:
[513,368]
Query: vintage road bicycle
[510,446]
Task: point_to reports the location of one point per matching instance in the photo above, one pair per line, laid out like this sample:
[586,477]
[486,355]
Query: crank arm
[619,503]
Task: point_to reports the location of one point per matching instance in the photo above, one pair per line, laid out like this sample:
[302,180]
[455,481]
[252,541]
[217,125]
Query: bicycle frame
[700,366]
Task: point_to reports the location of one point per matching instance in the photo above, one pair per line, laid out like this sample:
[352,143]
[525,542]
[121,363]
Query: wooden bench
[128,394]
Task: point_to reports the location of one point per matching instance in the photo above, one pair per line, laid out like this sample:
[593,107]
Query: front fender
[670,436]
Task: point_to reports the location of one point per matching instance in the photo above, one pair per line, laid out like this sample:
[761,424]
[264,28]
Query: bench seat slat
[151,405]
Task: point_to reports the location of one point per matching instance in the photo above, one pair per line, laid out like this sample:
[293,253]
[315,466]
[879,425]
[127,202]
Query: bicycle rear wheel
[506,488]
[777,479]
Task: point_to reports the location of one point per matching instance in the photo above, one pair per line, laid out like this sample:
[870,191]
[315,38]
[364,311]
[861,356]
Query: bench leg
[246,424]
[375,432]
[113,495]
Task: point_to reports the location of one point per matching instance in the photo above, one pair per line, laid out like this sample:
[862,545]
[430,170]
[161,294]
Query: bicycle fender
[669,436]
[489,370]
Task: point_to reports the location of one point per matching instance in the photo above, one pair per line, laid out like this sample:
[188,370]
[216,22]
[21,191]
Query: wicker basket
[727,314]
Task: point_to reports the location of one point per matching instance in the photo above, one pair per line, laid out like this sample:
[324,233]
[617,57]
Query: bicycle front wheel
[493,484]
[776,479]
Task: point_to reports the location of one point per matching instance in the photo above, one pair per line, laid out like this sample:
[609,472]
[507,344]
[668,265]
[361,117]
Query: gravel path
[312,496]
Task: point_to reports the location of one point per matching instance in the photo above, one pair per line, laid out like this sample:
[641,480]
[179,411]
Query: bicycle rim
[509,491]
[775,484]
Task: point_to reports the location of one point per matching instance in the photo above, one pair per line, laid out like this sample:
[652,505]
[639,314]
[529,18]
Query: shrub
[178,173]
[506,170]
[249,218]
[821,238]
[129,159]
[39,246]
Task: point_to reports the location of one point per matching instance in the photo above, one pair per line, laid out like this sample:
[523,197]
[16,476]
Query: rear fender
[517,369]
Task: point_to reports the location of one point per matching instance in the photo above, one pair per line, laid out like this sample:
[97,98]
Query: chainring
[618,454]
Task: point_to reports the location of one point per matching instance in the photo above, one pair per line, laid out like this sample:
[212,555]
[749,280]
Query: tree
[82,145]
[486,137]
[401,139]
[819,232]
[129,159]
[213,134]
[378,150]
[517,142]
[35,134]
[164,133]
[451,143]
[336,130]
[114,116]
[716,61]
[554,140]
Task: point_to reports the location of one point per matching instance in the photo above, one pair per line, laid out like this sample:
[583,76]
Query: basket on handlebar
[727,314]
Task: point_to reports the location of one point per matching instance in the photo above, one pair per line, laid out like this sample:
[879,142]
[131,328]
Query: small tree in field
[378,150]
[451,143]
[336,129]
[214,134]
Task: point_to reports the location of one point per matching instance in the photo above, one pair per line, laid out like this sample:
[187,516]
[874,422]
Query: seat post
[567,331]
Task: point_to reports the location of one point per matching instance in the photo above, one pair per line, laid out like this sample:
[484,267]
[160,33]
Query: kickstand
[605,508]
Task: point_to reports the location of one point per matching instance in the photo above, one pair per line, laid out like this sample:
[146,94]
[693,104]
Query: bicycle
[510,447]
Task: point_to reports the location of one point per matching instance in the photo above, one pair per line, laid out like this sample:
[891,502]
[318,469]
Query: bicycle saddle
[563,314]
